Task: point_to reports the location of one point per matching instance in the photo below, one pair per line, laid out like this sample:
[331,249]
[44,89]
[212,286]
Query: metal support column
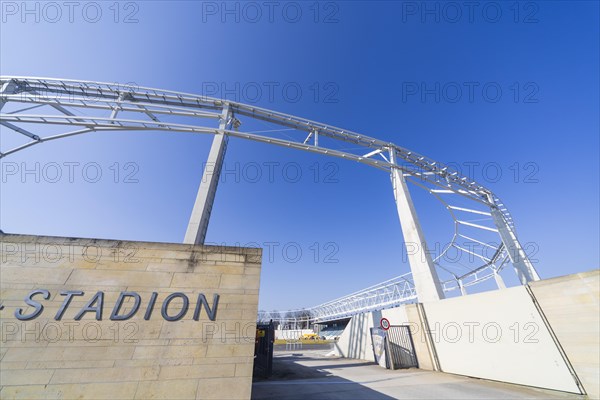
[499,280]
[198,224]
[427,283]
[516,253]
[463,289]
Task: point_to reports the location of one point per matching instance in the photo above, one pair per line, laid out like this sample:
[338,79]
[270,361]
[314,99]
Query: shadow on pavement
[292,380]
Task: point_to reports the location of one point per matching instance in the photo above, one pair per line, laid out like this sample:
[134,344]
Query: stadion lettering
[96,305]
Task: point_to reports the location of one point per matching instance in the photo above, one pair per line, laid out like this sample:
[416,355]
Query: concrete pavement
[311,374]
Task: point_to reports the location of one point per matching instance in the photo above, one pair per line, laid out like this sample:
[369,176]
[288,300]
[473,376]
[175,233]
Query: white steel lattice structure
[29,106]
[384,295]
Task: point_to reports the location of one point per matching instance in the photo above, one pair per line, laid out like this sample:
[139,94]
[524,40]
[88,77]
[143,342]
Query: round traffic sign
[385,324]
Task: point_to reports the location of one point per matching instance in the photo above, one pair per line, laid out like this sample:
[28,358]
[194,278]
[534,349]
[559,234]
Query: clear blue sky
[372,67]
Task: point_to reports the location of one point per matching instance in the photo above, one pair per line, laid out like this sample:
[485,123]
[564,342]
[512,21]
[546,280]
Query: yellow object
[310,336]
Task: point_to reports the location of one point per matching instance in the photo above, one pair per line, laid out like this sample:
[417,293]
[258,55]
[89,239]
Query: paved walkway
[312,375]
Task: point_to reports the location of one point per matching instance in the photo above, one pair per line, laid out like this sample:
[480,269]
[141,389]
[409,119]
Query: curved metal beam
[115,107]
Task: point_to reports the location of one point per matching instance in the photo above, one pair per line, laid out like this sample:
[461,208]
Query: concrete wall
[572,306]
[356,342]
[541,335]
[424,346]
[497,335]
[137,358]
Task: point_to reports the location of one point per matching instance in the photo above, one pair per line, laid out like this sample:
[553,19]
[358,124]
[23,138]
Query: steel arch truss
[29,106]
[388,294]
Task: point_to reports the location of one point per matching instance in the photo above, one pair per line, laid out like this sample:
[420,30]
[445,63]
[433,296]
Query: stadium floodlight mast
[81,107]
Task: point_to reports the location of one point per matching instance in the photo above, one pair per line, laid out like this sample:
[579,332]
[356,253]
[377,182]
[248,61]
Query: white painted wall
[500,335]
[497,335]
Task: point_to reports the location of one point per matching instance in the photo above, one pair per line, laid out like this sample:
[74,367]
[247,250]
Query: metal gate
[400,347]
[263,350]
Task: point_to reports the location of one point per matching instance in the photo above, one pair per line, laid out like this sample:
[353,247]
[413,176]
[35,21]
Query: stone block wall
[146,356]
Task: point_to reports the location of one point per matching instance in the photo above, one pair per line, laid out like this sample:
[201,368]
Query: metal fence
[401,350]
